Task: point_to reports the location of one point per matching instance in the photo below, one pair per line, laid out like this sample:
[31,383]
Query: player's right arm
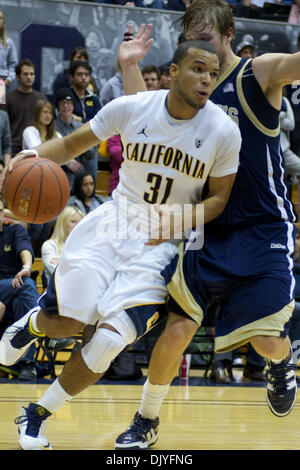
[60,150]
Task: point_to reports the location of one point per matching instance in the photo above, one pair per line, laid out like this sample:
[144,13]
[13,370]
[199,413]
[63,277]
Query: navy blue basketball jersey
[259,194]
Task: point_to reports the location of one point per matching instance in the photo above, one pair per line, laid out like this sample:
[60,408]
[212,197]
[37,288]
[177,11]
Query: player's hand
[14,160]
[170,225]
[18,279]
[134,48]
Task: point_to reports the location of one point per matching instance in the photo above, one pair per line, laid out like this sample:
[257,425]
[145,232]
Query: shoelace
[276,375]
[21,419]
[141,426]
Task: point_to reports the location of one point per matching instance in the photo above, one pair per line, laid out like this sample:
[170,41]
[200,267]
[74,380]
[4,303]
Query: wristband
[26,266]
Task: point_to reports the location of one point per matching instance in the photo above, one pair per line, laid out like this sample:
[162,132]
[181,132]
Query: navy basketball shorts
[247,273]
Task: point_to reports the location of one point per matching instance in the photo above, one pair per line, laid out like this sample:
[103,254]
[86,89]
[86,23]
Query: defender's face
[210,35]
[196,77]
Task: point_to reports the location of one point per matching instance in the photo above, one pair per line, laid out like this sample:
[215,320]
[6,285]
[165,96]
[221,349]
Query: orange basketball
[36,190]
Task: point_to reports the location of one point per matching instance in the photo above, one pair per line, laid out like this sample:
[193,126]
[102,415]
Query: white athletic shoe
[32,428]
[16,339]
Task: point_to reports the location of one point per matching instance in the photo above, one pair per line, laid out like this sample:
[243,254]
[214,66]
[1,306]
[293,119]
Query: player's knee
[102,349]
[179,334]
[56,326]
[267,346]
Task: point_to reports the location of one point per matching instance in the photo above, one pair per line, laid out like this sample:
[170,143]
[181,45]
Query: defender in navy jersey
[246,261]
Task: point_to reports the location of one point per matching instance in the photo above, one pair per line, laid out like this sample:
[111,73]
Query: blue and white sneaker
[282,386]
[31,428]
[141,434]
[17,338]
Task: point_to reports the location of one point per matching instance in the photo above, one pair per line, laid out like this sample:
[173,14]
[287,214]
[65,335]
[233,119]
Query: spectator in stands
[40,130]
[245,49]
[294,16]
[84,193]
[135,3]
[251,8]
[18,292]
[151,77]
[165,79]
[5,137]
[287,125]
[52,248]
[62,79]
[86,103]
[114,147]
[8,55]
[65,124]
[113,88]
[177,5]
[42,126]
[21,101]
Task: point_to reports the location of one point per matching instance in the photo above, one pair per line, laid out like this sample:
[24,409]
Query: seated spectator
[165,79]
[84,196]
[18,292]
[62,79]
[114,147]
[41,129]
[151,77]
[65,124]
[5,137]
[52,248]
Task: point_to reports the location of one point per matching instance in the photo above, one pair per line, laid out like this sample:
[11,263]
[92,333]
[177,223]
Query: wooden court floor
[192,418]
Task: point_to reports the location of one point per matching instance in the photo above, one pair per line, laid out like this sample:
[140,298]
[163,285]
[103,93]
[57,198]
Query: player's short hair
[208,13]
[182,50]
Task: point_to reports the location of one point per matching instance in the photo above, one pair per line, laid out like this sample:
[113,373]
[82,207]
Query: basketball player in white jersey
[173,143]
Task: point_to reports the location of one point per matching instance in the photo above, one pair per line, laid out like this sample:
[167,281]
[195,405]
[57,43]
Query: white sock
[152,398]
[54,397]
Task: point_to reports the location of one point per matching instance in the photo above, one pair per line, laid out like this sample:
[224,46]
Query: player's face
[208,34]
[87,186]
[46,116]
[75,219]
[196,77]
[151,81]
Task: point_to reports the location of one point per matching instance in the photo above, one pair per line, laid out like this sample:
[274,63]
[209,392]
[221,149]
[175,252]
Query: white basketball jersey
[164,159]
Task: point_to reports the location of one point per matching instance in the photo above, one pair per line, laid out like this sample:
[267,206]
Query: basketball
[36,190]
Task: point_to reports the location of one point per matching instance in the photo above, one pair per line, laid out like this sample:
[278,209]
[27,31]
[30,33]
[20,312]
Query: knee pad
[103,348]
[124,325]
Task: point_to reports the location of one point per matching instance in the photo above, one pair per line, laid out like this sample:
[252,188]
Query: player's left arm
[173,225]
[275,70]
